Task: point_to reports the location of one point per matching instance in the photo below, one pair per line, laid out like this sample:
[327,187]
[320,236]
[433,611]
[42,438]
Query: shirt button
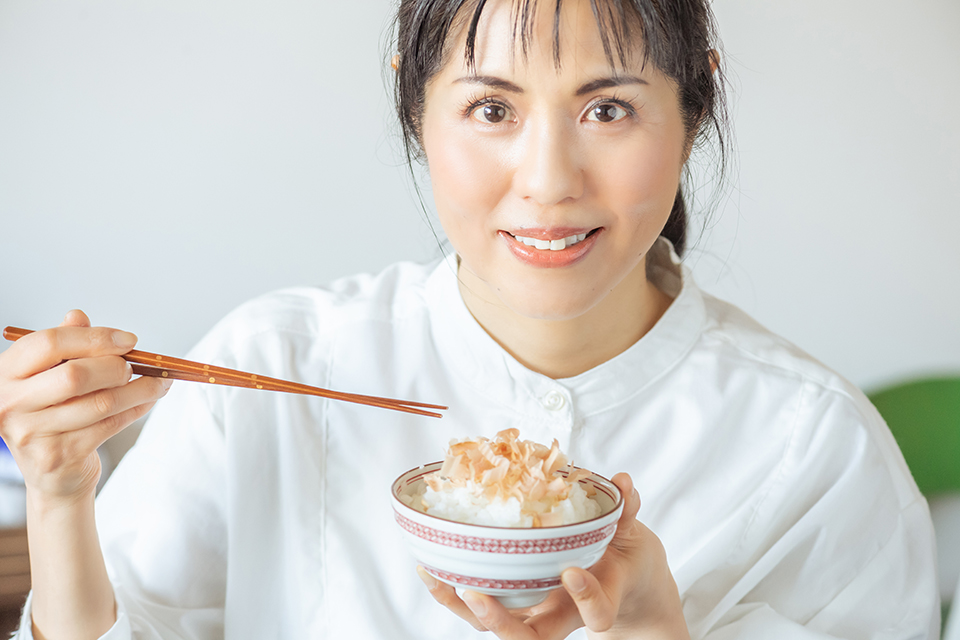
[553,401]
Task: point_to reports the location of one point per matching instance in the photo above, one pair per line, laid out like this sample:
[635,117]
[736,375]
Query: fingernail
[124,339]
[476,603]
[573,581]
[427,579]
[166,385]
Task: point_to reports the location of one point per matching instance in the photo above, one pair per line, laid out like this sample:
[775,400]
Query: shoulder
[739,337]
[308,317]
[746,347]
[830,425]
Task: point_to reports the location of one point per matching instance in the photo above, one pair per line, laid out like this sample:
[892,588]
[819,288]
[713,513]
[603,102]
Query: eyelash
[474,103]
[623,104]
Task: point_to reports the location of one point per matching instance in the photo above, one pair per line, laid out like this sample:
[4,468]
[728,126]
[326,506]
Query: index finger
[551,624]
[41,350]
[447,596]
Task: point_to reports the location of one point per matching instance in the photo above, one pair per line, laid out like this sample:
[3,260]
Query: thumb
[631,497]
[75,318]
[596,608]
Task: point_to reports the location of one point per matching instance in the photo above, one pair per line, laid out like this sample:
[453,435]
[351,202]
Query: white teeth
[552,245]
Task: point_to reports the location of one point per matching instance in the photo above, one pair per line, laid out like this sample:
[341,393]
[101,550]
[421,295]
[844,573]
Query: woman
[775,502]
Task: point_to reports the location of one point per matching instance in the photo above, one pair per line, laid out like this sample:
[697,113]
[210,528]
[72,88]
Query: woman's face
[551,182]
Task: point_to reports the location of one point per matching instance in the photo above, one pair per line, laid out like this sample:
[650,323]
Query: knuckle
[105,402]
[603,620]
[73,378]
[113,423]
[48,459]
[443,596]
[46,341]
[16,439]
[100,338]
[140,410]
[497,627]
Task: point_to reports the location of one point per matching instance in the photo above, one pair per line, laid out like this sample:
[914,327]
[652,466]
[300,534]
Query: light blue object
[13,494]
[9,472]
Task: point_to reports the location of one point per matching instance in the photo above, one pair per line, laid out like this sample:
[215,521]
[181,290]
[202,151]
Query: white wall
[163,160]
[842,231]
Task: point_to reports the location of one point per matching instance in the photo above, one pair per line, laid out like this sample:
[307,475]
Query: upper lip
[550,233]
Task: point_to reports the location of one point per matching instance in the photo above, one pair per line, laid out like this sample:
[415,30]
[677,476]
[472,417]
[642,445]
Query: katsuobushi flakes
[508,482]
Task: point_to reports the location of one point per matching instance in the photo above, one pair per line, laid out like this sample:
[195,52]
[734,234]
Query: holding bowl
[518,566]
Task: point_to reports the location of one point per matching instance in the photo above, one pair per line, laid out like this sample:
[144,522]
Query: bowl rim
[566,470]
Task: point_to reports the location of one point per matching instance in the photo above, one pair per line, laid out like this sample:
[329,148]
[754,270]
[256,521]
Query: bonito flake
[494,471]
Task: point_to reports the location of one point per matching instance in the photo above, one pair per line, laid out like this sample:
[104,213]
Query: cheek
[642,182]
[466,178]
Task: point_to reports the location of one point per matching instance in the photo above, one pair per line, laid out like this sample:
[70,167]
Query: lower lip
[547,258]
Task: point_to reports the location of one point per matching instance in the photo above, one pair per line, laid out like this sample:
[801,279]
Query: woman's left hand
[629,593]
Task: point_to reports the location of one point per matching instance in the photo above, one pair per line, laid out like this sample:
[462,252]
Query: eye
[607,112]
[491,113]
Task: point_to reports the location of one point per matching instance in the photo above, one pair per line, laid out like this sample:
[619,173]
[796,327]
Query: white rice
[463,504]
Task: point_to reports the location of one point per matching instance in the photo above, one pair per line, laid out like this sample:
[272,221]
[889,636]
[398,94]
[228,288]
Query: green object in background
[924,416]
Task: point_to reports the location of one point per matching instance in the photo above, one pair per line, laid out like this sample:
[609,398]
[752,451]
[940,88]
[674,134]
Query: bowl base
[521,600]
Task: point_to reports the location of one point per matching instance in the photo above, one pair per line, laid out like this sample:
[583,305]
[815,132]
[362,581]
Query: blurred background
[162,161]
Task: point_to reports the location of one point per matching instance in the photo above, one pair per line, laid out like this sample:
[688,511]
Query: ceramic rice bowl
[518,566]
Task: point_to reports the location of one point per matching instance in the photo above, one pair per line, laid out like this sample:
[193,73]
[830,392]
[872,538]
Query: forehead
[544,37]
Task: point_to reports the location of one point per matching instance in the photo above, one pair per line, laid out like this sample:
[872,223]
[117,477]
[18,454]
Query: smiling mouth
[553,245]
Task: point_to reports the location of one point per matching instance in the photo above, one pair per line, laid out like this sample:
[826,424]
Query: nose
[548,169]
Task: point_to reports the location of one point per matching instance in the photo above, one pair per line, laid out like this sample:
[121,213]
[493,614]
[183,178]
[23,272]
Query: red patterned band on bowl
[490,583]
[499,545]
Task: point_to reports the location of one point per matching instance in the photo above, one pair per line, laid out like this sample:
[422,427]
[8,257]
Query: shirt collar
[483,364]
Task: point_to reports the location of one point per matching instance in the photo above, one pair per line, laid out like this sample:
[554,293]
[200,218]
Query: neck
[568,347]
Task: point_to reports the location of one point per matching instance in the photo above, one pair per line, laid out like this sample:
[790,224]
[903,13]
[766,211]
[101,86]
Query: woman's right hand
[63,393]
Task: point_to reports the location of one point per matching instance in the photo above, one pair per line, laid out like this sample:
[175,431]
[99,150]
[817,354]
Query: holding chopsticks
[156,365]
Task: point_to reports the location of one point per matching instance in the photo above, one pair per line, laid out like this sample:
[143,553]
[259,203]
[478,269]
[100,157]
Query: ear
[395,61]
[714,56]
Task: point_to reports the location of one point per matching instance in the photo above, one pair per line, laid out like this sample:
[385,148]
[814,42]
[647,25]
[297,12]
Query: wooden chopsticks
[155,365]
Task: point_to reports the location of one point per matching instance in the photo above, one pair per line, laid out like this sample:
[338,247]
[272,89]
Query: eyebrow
[589,87]
[604,83]
[491,81]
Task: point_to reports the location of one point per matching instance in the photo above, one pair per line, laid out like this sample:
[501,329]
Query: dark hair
[678,36]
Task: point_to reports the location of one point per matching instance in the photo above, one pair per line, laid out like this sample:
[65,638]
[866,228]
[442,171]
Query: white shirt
[780,496]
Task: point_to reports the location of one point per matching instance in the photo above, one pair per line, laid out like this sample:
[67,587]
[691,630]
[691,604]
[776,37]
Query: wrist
[668,628]
[72,593]
[45,505]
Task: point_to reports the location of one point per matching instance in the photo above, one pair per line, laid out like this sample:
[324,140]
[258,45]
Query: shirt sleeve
[119,631]
[888,598]
[842,546]
[162,522]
